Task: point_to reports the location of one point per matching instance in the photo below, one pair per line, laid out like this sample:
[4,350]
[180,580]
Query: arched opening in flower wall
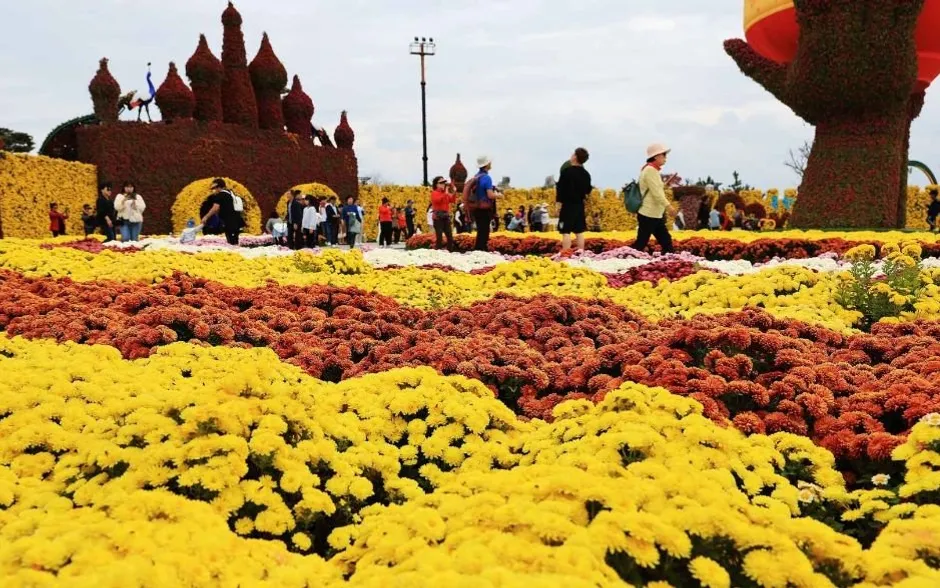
[314,189]
[188,201]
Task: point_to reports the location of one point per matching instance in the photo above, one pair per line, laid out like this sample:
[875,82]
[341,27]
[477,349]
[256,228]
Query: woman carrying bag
[651,217]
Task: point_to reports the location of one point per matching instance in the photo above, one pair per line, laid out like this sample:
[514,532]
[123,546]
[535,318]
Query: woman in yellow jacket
[651,218]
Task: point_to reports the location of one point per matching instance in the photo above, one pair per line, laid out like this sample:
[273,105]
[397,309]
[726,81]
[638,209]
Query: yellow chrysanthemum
[709,573]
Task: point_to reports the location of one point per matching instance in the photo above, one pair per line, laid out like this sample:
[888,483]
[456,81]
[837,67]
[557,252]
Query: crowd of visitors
[311,220]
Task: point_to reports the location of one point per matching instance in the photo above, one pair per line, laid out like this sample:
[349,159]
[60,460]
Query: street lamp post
[424,47]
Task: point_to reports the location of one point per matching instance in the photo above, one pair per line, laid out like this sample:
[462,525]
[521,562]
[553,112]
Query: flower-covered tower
[458,174]
[204,71]
[856,71]
[239,105]
[174,99]
[298,110]
[105,93]
[269,78]
[344,135]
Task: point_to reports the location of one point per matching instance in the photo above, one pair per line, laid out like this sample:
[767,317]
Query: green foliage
[16,142]
[882,289]
[709,181]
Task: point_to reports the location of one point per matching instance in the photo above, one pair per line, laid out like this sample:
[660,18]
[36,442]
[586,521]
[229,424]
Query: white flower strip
[464,262]
[740,267]
[209,245]
[476,260]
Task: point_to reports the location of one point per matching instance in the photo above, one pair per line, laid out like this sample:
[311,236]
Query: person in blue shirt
[486,201]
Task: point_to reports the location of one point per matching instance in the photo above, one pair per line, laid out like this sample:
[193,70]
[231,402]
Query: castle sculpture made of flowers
[230,121]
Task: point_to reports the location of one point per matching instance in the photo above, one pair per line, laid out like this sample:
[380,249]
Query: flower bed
[855,395]
[251,471]
[753,247]
[393,418]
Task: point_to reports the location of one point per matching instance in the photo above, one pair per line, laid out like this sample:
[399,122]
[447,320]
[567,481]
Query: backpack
[471,200]
[632,198]
[237,203]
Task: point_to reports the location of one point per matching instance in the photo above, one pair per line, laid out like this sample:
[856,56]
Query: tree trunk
[853,176]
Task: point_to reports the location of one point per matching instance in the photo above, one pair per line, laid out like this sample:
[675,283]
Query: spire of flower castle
[269,78]
[344,135]
[204,71]
[239,105]
[105,93]
[298,110]
[458,174]
[174,98]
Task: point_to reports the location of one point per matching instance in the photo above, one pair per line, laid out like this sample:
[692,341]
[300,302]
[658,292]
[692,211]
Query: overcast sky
[524,81]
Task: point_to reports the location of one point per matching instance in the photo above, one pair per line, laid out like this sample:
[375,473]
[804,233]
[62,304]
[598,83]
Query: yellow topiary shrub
[28,183]
[918,199]
[370,197]
[312,189]
[187,203]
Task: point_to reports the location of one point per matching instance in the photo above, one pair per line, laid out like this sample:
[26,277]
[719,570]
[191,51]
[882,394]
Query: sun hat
[483,161]
[656,149]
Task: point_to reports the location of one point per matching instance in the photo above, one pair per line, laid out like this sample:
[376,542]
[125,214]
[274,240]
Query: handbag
[632,198]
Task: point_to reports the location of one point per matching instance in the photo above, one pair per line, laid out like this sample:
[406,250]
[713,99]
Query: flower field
[203,415]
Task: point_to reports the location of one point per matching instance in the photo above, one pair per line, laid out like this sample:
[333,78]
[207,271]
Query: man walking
[573,187]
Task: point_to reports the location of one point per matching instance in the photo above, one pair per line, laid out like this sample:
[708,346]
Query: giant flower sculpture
[857,70]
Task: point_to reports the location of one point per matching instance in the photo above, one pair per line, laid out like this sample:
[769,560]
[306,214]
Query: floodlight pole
[424,47]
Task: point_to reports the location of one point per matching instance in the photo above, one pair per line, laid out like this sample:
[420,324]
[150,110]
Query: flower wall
[918,199]
[163,159]
[28,183]
[607,203]
[76,183]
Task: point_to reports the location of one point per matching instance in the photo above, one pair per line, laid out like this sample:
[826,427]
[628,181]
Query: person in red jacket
[385,224]
[442,199]
[57,220]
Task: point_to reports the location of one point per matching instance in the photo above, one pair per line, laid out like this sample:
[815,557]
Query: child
[57,220]
[276,228]
[401,225]
[189,233]
[89,220]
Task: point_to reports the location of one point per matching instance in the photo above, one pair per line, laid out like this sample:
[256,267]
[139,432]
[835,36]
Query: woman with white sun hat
[651,218]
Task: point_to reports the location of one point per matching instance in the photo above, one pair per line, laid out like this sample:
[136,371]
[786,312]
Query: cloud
[649,24]
[524,81]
